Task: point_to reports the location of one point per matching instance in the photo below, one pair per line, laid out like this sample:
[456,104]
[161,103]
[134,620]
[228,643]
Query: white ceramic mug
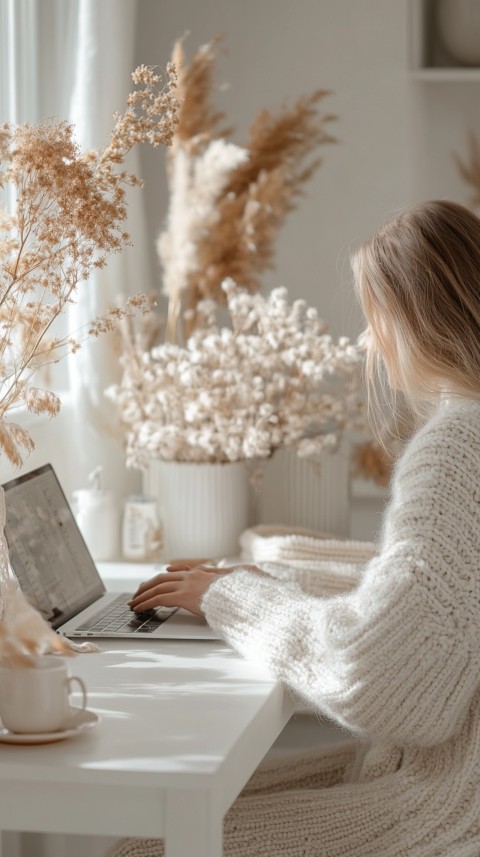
[36,698]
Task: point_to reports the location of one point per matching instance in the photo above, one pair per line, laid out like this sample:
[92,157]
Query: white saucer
[80,721]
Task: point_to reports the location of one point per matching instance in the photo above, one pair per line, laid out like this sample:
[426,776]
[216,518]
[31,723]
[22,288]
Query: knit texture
[284,544]
[393,659]
[319,563]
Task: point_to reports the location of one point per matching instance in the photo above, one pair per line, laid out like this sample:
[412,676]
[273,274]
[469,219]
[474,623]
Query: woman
[396,659]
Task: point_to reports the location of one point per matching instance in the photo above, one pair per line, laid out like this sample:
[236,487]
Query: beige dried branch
[227,202]
[239,236]
[198,119]
[370,460]
[69,215]
[24,633]
[470,169]
[241,245]
[284,139]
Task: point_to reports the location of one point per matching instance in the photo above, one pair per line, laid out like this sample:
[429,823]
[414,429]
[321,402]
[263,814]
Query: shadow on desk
[303,732]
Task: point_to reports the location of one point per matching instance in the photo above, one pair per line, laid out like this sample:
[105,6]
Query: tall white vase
[304,492]
[204,507]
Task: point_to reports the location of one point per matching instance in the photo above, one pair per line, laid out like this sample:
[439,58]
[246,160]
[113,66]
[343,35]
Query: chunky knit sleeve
[397,657]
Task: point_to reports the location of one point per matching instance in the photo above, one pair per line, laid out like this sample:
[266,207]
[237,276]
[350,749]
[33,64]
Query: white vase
[459,27]
[305,492]
[203,507]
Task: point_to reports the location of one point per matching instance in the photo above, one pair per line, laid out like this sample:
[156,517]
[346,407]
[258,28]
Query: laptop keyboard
[118,618]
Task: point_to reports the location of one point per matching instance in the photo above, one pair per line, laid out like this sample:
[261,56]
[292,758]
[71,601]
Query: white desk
[183,727]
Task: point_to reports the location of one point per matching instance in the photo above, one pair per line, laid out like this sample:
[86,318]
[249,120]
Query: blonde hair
[418,280]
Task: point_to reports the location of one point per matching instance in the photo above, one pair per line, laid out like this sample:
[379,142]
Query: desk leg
[192,829]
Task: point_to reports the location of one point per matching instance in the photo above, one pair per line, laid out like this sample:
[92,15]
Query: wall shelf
[429,59]
[446,75]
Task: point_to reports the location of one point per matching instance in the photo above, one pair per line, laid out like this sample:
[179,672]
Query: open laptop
[57,574]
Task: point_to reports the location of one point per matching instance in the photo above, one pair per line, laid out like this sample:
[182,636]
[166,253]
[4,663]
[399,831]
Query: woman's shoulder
[456,411]
[455,423]
[448,443]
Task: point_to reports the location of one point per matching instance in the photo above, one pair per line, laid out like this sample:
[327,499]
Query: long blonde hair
[418,280]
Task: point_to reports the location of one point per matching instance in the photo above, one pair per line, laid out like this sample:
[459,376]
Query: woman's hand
[183,585]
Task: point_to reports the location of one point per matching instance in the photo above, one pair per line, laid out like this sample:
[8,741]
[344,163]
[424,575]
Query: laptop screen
[48,554]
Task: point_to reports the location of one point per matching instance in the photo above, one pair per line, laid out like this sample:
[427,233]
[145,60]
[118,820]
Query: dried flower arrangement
[211,399]
[373,461]
[227,202]
[470,169]
[69,211]
[274,379]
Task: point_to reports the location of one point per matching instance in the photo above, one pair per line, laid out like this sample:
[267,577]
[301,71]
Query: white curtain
[103,65]
[73,59]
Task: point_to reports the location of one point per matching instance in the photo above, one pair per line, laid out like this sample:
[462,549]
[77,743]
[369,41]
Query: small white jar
[141,528]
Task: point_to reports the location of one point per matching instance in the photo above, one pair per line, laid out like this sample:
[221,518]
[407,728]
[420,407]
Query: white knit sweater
[396,660]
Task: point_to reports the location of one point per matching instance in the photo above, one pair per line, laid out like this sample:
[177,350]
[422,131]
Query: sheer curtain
[73,59]
[103,65]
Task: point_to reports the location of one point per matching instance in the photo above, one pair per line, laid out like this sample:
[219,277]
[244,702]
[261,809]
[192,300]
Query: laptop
[58,576]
